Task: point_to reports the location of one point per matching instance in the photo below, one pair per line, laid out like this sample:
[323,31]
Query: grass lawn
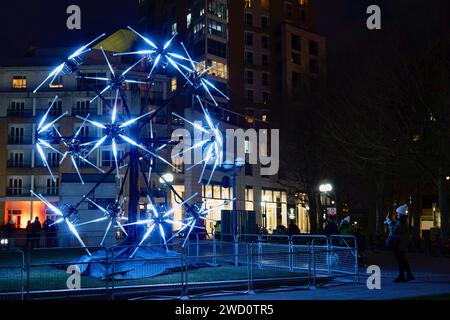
[45,277]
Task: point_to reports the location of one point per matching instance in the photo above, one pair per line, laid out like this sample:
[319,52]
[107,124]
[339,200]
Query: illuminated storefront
[216,198]
[274,209]
[20,212]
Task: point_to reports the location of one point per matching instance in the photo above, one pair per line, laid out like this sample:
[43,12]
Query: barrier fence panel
[244,261]
[274,251]
[344,256]
[271,268]
[12,274]
[64,270]
[146,273]
[224,276]
[302,257]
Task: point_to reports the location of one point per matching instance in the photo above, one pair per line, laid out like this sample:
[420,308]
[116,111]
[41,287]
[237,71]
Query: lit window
[19,82]
[218,69]
[247,146]
[265,4]
[173,85]
[174,28]
[264,118]
[57,83]
[189,20]
[303,2]
[248,4]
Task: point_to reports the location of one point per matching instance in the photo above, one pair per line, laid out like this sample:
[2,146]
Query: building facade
[262,52]
[22,170]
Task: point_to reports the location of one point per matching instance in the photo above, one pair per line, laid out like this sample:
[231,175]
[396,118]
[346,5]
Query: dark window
[249,39]
[265,42]
[249,57]
[296,58]
[296,42]
[296,80]
[217,48]
[303,16]
[249,77]
[314,66]
[265,60]
[265,79]
[313,48]
[265,22]
[250,95]
[288,8]
[249,19]
[266,97]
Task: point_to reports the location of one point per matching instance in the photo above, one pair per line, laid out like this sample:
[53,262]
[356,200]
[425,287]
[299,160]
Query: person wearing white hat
[345,227]
[398,240]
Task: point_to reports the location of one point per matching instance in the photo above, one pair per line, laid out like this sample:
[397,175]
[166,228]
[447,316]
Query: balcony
[20,140]
[19,113]
[54,113]
[84,112]
[52,164]
[19,164]
[18,192]
[47,191]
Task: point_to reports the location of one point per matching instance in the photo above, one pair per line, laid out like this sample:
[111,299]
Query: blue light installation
[114,134]
[71,65]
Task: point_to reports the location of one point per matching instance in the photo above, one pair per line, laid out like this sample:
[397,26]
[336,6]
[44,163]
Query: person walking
[398,241]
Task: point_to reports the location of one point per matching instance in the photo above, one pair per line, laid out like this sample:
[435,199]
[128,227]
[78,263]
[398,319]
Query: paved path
[432,278]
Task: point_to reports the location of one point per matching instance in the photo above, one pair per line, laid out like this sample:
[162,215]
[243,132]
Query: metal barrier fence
[242,262]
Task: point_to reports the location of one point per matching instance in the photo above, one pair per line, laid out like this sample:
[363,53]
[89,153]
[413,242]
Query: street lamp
[324,188]
[234,168]
[264,207]
[168,177]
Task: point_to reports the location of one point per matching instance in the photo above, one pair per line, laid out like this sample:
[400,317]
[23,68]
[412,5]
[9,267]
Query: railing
[19,164]
[19,113]
[47,191]
[204,264]
[20,140]
[84,112]
[52,114]
[18,192]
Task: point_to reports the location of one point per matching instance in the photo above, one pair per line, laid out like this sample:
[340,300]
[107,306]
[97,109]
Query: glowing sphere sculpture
[119,131]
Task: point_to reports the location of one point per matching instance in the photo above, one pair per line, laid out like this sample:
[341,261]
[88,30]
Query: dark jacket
[331,229]
[401,232]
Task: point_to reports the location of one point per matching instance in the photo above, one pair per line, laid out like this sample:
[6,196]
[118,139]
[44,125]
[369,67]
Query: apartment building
[264,53]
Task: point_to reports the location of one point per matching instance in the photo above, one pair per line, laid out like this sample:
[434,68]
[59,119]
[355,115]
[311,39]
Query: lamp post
[264,213]
[325,189]
[166,178]
[234,168]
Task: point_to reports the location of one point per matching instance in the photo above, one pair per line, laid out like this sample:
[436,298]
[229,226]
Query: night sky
[43,23]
